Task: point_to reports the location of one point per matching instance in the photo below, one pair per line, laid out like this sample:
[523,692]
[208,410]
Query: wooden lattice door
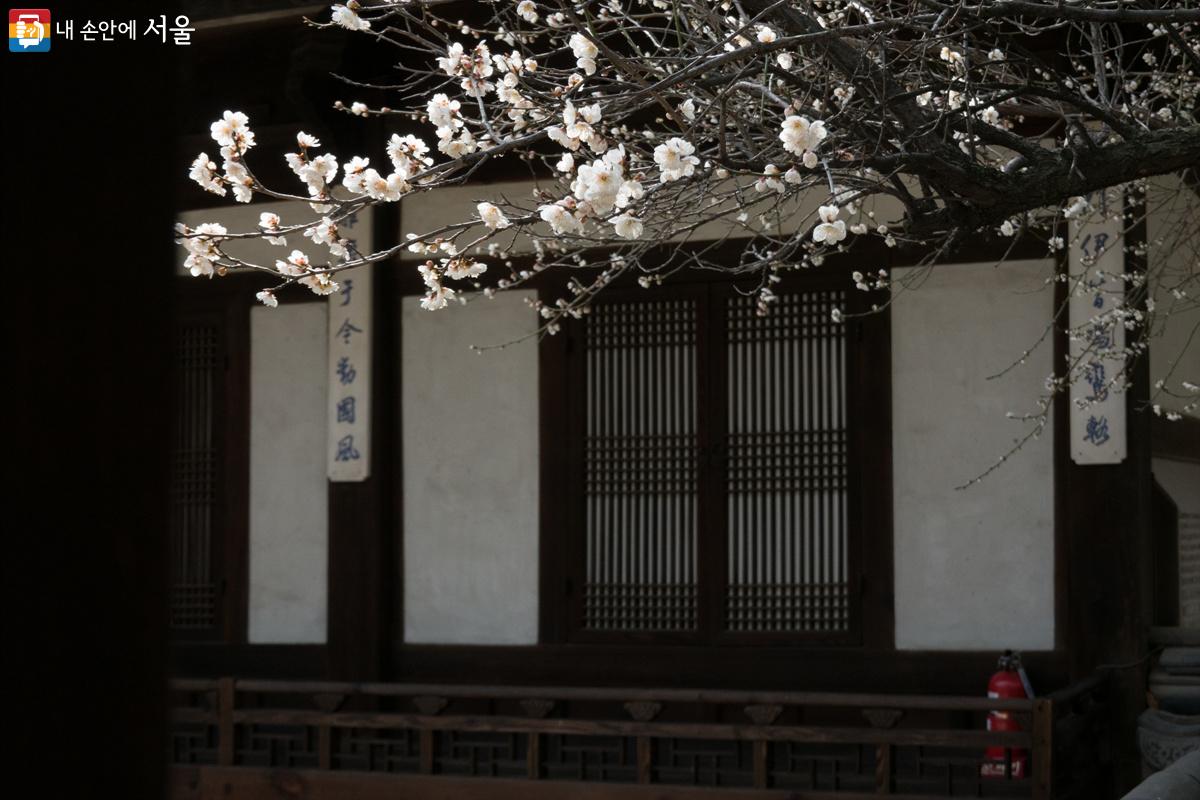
[203,522]
[717,463]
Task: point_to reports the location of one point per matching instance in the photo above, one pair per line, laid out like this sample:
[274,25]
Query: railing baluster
[533,757]
[427,751]
[324,747]
[1043,749]
[761,764]
[645,758]
[225,699]
[883,769]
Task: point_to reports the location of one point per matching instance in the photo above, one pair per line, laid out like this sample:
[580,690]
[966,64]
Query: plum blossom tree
[666,133]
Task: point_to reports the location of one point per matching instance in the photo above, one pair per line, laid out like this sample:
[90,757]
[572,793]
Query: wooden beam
[591,727]
[586,693]
[832,669]
[217,783]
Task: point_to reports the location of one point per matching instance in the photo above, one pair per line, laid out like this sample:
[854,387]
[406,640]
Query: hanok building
[676,546]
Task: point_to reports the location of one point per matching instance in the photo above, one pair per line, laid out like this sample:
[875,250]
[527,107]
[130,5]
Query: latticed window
[197,532]
[720,468]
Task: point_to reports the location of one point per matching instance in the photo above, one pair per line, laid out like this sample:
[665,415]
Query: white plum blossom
[326,232]
[304,140]
[799,134]
[627,226]
[442,111]
[770,180]
[451,63]
[386,189]
[354,174]
[566,163]
[630,190]
[348,18]
[203,172]
[578,128]
[688,109]
[831,230]
[527,11]
[438,295]
[408,154]
[456,147]
[585,51]
[675,160]
[951,56]
[267,298]
[294,265]
[560,218]
[599,183]
[358,109]
[766,34]
[201,245]
[492,216]
[238,178]
[1077,208]
[320,283]
[437,299]
[269,223]
[464,268]
[233,130]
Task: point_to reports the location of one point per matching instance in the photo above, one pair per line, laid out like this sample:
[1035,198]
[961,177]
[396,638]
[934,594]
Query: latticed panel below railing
[333,734]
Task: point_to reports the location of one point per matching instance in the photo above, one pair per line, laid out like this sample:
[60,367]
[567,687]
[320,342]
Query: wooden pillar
[362,516]
[1104,546]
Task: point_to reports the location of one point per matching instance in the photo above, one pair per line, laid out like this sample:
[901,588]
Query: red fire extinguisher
[1009,682]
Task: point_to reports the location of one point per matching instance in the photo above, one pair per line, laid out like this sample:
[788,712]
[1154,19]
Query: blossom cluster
[650,123]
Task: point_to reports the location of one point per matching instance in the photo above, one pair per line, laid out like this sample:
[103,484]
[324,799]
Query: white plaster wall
[1181,480]
[470,473]
[288,490]
[974,568]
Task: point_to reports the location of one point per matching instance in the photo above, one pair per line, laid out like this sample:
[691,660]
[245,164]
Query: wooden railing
[256,738]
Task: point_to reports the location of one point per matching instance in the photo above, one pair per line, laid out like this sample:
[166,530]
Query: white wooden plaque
[1096,265]
[349,376]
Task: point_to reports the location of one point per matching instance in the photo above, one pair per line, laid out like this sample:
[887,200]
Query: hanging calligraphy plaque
[1096,268]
